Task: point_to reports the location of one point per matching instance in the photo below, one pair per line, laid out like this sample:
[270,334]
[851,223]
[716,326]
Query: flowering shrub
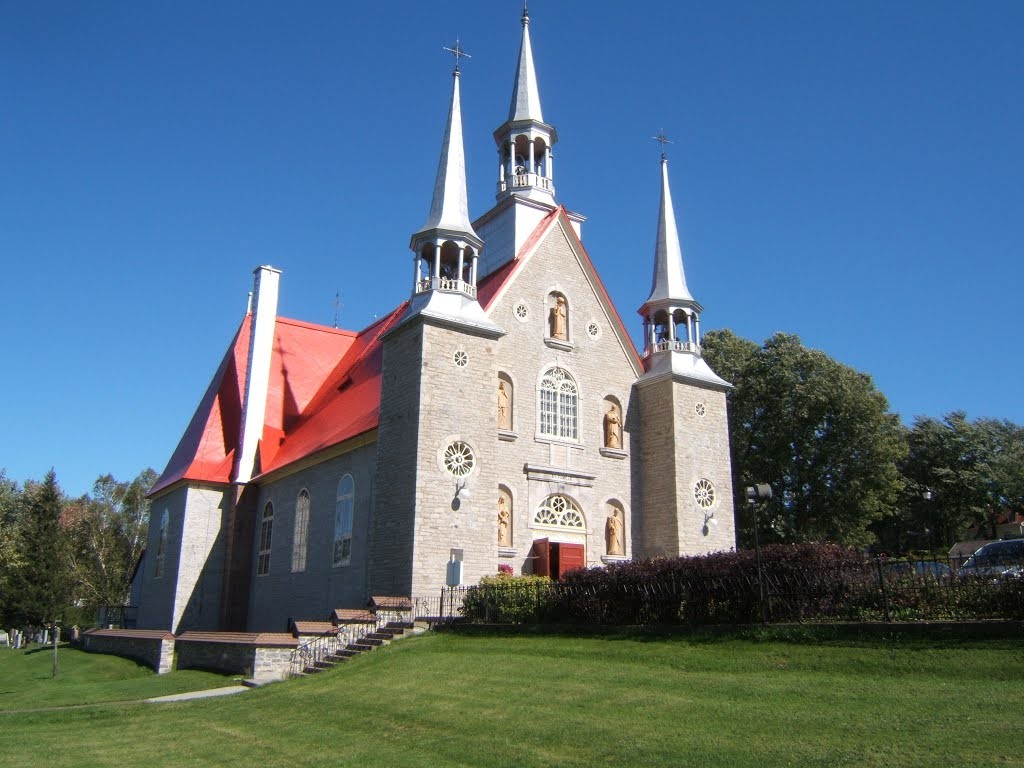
[505,570]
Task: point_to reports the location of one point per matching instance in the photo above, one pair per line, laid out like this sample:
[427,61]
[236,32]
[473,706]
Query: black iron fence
[872,590]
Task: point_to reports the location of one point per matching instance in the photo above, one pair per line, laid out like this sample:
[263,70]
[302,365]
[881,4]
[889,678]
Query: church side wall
[156,602]
[201,563]
[392,522]
[282,595]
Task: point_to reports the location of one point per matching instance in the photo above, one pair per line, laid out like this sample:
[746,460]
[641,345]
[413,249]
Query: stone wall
[263,656]
[459,403]
[391,534]
[685,441]
[155,649]
[283,595]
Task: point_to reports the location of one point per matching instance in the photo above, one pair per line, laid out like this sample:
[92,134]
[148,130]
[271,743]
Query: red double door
[555,558]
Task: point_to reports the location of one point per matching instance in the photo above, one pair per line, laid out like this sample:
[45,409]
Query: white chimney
[257,375]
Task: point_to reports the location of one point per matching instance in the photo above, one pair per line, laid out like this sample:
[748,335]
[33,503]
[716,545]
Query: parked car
[999,559]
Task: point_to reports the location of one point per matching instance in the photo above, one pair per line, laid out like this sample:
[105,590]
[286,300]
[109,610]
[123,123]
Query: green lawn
[452,700]
[26,680]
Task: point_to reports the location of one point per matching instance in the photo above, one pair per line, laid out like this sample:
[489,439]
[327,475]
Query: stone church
[500,416]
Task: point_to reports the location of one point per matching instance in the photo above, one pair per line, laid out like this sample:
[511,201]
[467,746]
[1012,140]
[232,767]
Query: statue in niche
[613,534]
[559,313]
[504,520]
[504,407]
[613,428]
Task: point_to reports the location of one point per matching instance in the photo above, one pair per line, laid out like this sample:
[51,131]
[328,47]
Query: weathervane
[457,52]
[662,139]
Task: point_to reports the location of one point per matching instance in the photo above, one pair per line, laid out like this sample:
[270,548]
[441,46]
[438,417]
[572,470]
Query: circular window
[460,358]
[458,459]
[593,329]
[521,312]
[700,409]
[704,493]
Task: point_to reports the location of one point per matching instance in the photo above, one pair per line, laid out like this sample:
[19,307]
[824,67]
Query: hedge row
[806,582]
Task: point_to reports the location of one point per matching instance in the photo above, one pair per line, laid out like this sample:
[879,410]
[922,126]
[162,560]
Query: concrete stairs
[370,642]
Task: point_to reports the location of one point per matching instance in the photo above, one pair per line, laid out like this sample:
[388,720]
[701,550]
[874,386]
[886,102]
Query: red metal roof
[324,386]
[303,355]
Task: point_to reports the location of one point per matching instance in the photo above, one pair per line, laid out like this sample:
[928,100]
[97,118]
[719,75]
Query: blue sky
[849,172]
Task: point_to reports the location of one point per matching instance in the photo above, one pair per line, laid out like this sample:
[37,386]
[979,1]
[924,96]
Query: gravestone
[5,639]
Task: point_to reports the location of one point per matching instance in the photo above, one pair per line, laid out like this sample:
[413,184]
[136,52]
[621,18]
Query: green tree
[107,532]
[817,431]
[40,585]
[10,509]
[975,470]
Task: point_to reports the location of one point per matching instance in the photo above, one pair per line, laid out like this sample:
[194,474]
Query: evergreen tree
[40,585]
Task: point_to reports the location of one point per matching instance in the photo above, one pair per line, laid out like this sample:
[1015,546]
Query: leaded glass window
[343,510]
[559,405]
[559,510]
[301,532]
[266,537]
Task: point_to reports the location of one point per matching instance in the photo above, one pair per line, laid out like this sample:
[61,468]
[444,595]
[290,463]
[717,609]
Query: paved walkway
[208,694]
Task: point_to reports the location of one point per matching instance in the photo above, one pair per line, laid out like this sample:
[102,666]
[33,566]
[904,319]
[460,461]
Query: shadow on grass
[988,634]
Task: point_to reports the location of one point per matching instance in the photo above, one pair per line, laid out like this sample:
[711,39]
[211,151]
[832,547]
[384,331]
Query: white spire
[449,209]
[669,281]
[525,94]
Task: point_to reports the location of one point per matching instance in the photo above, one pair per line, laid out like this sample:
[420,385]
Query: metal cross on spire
[457,52]
[662,139]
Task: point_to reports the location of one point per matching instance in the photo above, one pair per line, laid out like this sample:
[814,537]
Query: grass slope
[450,700]
[26,680]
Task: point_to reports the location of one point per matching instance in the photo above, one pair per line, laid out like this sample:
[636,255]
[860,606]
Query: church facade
[500,416]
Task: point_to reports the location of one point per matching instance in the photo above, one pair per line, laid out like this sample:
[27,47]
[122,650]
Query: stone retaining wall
[259,655]
[153,648]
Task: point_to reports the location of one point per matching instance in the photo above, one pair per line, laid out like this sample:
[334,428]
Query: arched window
[343,507]
[561,511]
[161,546]
[558,405]
[266,536]
[301,531]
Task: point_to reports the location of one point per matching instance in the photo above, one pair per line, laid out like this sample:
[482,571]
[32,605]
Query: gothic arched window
[558,405]
[266,536]
[343,509]
[301,532]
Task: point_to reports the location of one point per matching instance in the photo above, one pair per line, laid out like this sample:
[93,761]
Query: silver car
[999,559]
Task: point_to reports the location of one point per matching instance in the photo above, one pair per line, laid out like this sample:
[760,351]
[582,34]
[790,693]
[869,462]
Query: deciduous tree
[107,530]
[819,432]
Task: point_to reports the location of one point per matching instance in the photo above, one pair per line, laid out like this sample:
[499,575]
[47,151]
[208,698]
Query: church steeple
[524,140]
[446,250]
[671,314]
[447,247]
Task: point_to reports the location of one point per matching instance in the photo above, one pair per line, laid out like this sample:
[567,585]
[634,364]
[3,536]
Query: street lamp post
[755,493]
